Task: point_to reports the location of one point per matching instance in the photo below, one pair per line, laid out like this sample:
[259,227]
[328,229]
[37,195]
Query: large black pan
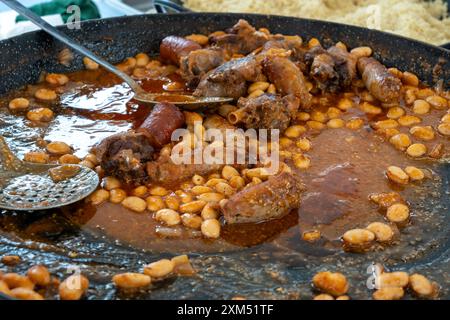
[248,272]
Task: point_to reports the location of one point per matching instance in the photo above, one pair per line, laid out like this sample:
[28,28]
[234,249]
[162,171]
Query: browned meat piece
[173,48]
[345,65]
[322,71]
[124,155]
[242,38]
[266,111]
[162,121]
[292,43]
[197,63]
[166,172]
[332,69]
[230,79]
[287,78]
[378,80]
[271,199]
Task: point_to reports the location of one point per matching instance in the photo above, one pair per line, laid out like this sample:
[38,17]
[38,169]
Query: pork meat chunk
[332,69]
[230,79]
[242,38]
[271,199]
[267,111]
[197,63]
[287,78]
[165,172]
[124,155]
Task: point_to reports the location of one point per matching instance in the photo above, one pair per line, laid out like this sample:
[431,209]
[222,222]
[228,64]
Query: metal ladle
[28,186]
[139,94]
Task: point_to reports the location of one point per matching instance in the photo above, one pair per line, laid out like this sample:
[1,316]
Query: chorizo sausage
[381,84]
[162,121]
[173,48]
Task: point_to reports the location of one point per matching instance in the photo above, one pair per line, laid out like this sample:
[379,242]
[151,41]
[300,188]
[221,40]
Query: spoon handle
[19,8]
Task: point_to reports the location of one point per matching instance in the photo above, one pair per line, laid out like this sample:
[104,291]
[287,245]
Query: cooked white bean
[99,196]
[117,195]
[421,286]
[193,207]
[333,283]
[414,173]
[39,275]
[19,104]
[58,148]
[437,102]
[140,191]
[382,231]
[25,294]
[160,268]
[211,197]
[57,79]
[421,107]
[395,113]
[191,220]
[90,64]
[324,296]
[130,280]
[358,238]
[168,216]
[73,288]
[416,150]
[36,157]
[110,183]
[69,159]
[444,128]
[225,189]
[15,280]
[401,141]
[211,228]
[198,180]
[40,114]
[392,279]
[135,204]
[45,94]
[397,175]
[209,212]
[398,213]
[390,293]
[425,133]
[159,191]
[408,120]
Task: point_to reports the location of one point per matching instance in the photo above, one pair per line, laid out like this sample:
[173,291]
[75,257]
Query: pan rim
[237,15]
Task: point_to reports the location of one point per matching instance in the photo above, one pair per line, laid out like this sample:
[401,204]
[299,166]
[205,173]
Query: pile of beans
[37,281]
[60,152]
[155,271]
[388,286]
[140,66]
[392,286]
[196,204]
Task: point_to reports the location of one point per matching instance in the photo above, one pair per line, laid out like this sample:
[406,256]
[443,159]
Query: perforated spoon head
[26,186]
[37,191]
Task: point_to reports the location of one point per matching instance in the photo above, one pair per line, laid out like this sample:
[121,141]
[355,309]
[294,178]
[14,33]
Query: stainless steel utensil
[28,186]
[139,94]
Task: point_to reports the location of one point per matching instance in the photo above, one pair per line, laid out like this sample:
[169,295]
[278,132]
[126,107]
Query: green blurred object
[88,9]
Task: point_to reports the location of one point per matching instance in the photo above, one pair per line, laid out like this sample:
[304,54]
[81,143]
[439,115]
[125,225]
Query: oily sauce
[346,167]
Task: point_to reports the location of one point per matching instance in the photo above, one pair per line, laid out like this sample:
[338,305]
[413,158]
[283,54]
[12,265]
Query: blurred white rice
[423,20]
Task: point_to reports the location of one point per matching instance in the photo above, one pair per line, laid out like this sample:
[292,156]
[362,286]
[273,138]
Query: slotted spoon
[28,186]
